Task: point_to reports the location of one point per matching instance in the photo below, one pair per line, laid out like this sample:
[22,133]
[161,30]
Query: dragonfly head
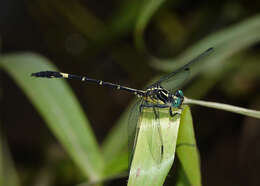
[177,99]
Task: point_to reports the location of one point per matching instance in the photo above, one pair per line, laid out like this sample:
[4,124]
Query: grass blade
[59,108]
[225,43]
[113,148]
[146,12]
[8,175]
[186,149]
[144,169]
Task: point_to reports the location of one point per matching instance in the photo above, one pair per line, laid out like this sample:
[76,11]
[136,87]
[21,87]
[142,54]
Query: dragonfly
[164,93]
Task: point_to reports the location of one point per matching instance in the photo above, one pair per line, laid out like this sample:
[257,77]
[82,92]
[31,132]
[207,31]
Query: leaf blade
[144,169]
[59,108]
[186,148]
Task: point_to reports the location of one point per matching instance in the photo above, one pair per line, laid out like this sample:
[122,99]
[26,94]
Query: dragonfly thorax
[160,96]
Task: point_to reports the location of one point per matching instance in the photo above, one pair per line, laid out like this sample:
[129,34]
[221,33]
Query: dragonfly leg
[170,111]
[179,111]
[154,105]
[141,108]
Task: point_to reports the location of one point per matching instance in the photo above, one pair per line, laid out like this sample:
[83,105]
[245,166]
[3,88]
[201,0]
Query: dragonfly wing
[177,78]
[148,116]
[172,84]
[154,137]
[133,128]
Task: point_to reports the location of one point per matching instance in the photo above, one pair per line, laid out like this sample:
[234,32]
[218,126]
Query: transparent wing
[176,79]
[154,136]
[133,128]
[148,116]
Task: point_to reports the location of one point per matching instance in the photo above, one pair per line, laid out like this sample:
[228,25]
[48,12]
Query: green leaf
[8,175]
[225,43]
[145,167]
[187,151]
[147,10]
[59,107]
[182,179]
[117,166]
[113,148]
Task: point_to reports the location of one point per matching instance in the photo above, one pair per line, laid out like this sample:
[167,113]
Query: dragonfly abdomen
[54,74]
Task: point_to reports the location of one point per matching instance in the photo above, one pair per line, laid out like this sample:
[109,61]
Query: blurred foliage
[128,42]
[8,175]
[59,108]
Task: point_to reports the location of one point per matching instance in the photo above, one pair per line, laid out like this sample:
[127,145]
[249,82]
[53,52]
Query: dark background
[228,142]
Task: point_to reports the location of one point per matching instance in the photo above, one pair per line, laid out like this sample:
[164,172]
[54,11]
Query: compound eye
[179,93]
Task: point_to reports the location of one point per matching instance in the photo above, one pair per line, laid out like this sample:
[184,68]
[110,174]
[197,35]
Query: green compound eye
[179,93]
[177,102]
[178,99]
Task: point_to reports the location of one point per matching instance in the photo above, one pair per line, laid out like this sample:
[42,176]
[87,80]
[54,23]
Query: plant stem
[222,106]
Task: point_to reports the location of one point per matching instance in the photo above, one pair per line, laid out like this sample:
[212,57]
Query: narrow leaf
[149,7]
[8,174]
[145,169]
[225,43]
[186,149]
[59,108]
